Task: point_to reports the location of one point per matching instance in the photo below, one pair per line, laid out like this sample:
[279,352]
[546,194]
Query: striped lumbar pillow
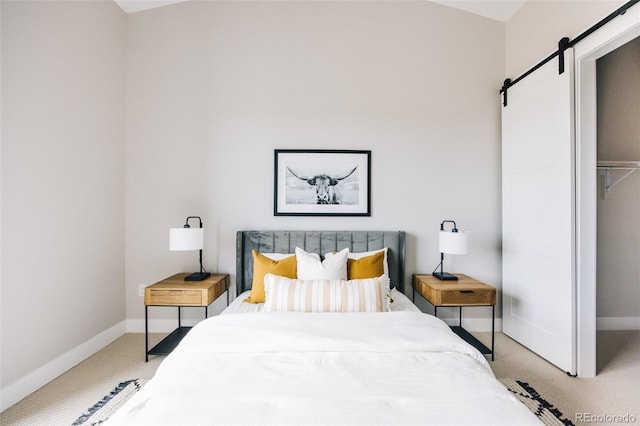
[363,295]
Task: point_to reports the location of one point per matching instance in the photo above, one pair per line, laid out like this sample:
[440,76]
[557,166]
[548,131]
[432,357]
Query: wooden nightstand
[175,291]
[464,292]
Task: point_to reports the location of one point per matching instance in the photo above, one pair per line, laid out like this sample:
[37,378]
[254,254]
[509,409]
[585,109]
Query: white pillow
[365,295]
[309,266]
[357,256]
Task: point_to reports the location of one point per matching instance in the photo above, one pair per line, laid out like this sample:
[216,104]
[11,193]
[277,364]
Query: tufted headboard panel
[320,242]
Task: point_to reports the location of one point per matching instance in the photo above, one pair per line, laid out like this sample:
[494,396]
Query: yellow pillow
[262,265]
[366,267]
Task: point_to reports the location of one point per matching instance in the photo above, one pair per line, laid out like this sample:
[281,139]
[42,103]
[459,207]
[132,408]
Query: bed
[257,363]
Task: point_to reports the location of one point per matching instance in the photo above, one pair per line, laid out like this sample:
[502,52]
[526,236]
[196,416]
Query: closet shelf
[608,166]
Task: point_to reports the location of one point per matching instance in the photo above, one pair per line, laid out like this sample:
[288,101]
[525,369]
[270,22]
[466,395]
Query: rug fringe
[105,400]
[544,403]
[544,410]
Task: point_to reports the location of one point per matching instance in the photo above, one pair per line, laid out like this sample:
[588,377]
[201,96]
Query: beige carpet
[64,399]
[614,392]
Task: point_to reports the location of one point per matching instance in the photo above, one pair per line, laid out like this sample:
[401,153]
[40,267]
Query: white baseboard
[618,323]
[43,375]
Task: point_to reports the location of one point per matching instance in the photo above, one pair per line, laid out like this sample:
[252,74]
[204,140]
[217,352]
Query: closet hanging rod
[619,165]
[607,166]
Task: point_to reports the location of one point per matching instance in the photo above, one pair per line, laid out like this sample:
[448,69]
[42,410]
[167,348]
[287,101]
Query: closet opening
[594,307]
[618,201]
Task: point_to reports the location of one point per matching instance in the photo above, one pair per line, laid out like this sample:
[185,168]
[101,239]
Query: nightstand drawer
[464,292]
[174,297]
[175,291]
[466,297]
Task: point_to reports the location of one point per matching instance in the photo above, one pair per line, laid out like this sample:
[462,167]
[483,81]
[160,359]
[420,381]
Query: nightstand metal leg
[493,330]
[146,334]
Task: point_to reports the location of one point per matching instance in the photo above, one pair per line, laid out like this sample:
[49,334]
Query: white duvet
[401,368]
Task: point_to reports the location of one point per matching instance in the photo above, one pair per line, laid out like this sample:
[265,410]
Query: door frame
[608,38]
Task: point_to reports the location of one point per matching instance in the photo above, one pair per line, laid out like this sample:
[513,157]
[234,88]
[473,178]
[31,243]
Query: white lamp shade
[455,242]
[186,239]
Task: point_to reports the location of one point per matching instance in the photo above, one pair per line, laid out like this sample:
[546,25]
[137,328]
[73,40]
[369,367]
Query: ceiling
[131,6]
[500,10]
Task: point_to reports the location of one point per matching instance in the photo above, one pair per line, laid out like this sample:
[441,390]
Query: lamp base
[197,276]
[445,276]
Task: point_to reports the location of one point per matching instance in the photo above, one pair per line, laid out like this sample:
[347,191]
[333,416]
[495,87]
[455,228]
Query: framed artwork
[322,183]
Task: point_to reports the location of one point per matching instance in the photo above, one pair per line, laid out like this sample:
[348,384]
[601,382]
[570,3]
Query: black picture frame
[322,182]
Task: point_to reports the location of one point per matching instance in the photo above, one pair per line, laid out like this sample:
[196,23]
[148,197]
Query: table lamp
[453,242]
[188,238]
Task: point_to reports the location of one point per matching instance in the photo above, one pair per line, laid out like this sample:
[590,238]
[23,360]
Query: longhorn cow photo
[325,185]
[322,182]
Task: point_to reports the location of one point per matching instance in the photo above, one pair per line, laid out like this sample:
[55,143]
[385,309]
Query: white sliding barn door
[538,205]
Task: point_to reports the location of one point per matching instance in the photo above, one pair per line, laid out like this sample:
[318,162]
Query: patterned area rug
[539,406]
[103,409]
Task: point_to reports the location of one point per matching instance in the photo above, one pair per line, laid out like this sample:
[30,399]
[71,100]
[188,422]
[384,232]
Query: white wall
[214,87]
[62,278]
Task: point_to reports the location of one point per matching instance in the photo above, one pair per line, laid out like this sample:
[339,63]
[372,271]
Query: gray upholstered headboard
[320,242]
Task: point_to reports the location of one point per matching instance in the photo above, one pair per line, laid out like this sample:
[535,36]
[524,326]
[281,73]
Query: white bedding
[299,368]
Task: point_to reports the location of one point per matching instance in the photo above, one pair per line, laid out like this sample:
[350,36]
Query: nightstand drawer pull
[466,291]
